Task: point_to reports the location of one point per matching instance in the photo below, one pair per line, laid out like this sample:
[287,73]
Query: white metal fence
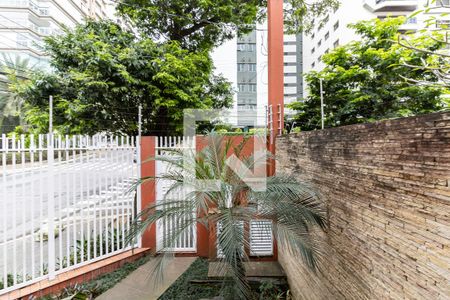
[79,186]
[187,240]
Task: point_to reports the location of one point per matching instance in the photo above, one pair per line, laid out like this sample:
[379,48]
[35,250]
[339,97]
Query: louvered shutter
[261,238]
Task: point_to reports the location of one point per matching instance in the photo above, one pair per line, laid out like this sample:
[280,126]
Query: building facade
[335,31]
[247,79]
[244,62]
[25,23]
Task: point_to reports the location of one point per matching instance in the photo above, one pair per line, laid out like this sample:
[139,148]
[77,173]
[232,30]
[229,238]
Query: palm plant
[293,209]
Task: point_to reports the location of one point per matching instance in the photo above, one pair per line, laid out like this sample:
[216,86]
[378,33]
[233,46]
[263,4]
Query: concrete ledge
[252,269]
[78,275]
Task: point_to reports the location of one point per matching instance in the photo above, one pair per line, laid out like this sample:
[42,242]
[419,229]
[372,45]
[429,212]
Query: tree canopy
[200,24]
[366,80]
[103,73]
[14,71]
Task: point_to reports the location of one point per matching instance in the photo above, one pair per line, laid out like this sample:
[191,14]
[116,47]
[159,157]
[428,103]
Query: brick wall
[387,190]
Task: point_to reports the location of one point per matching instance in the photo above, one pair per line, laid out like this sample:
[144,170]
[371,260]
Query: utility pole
[321,103]
[50,115]
[140,120]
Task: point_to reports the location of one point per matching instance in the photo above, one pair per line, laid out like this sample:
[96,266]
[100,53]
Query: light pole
[321,102]
[292,126]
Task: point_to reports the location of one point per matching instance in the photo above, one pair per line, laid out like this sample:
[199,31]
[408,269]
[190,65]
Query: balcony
[385,6]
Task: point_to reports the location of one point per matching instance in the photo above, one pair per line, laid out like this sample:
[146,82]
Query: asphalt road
[85,189]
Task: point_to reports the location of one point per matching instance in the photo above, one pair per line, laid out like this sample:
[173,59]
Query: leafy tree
[14,71]
[200,24]
[436,62]
[294,210]
[365,80]
[103,73]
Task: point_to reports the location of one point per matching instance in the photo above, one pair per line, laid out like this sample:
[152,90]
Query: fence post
[139,169]
[148,189]
[51,195]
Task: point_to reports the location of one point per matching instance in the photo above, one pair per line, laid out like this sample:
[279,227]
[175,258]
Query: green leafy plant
[103,73]
[203,24]
[296,130]
[365,80]
[292,207]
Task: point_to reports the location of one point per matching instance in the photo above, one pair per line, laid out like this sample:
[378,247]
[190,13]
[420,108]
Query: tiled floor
[142,284]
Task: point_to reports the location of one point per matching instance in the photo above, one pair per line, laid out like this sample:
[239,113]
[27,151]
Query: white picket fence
[80,186]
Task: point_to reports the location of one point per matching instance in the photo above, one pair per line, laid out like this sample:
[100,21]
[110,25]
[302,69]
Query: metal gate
[64,203]
[187,240]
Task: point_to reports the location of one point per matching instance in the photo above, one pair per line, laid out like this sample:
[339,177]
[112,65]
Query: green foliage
[270,291]
[437,61]
[296,130]
[294,209]
[202,24]
[103,73]
[101,284]
[14,71]
[365,80]
[182,288]
[221,131]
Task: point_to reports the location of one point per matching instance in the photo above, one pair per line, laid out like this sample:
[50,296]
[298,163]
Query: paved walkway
[140,286]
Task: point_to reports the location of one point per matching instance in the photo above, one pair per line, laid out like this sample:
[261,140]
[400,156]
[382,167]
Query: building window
[336,43]
[444,24]
[319,43]
[313,36]
[327,35]
[319,58]
[241,87]
[313,50]
[251,47]
[326,51]
[252,67]
[336,25]
[442,2]
[241,47]
[252,87]
[411,21]
[327,18]
[313,65]
[241,67]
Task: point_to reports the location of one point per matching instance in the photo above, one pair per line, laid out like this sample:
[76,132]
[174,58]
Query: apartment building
[24,23]
[335,31]
[247,79]
[247,70]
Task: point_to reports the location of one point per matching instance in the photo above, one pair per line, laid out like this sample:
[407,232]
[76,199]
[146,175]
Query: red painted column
[276,72]
[148,189]
[204,234]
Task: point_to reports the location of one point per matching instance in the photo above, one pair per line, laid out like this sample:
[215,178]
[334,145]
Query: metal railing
[64,202]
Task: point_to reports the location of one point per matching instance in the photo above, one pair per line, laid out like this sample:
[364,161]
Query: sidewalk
[139,285]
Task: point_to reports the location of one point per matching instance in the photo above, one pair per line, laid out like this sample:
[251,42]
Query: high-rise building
[293,70]
[24,23]
[335,31]
[247,70]
[247,78]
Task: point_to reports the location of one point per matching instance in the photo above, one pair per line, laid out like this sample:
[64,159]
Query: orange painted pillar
[148,189]
[205,237]
[276,73]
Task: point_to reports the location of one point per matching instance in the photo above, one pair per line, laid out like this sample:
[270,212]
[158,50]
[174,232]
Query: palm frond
[294,209]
